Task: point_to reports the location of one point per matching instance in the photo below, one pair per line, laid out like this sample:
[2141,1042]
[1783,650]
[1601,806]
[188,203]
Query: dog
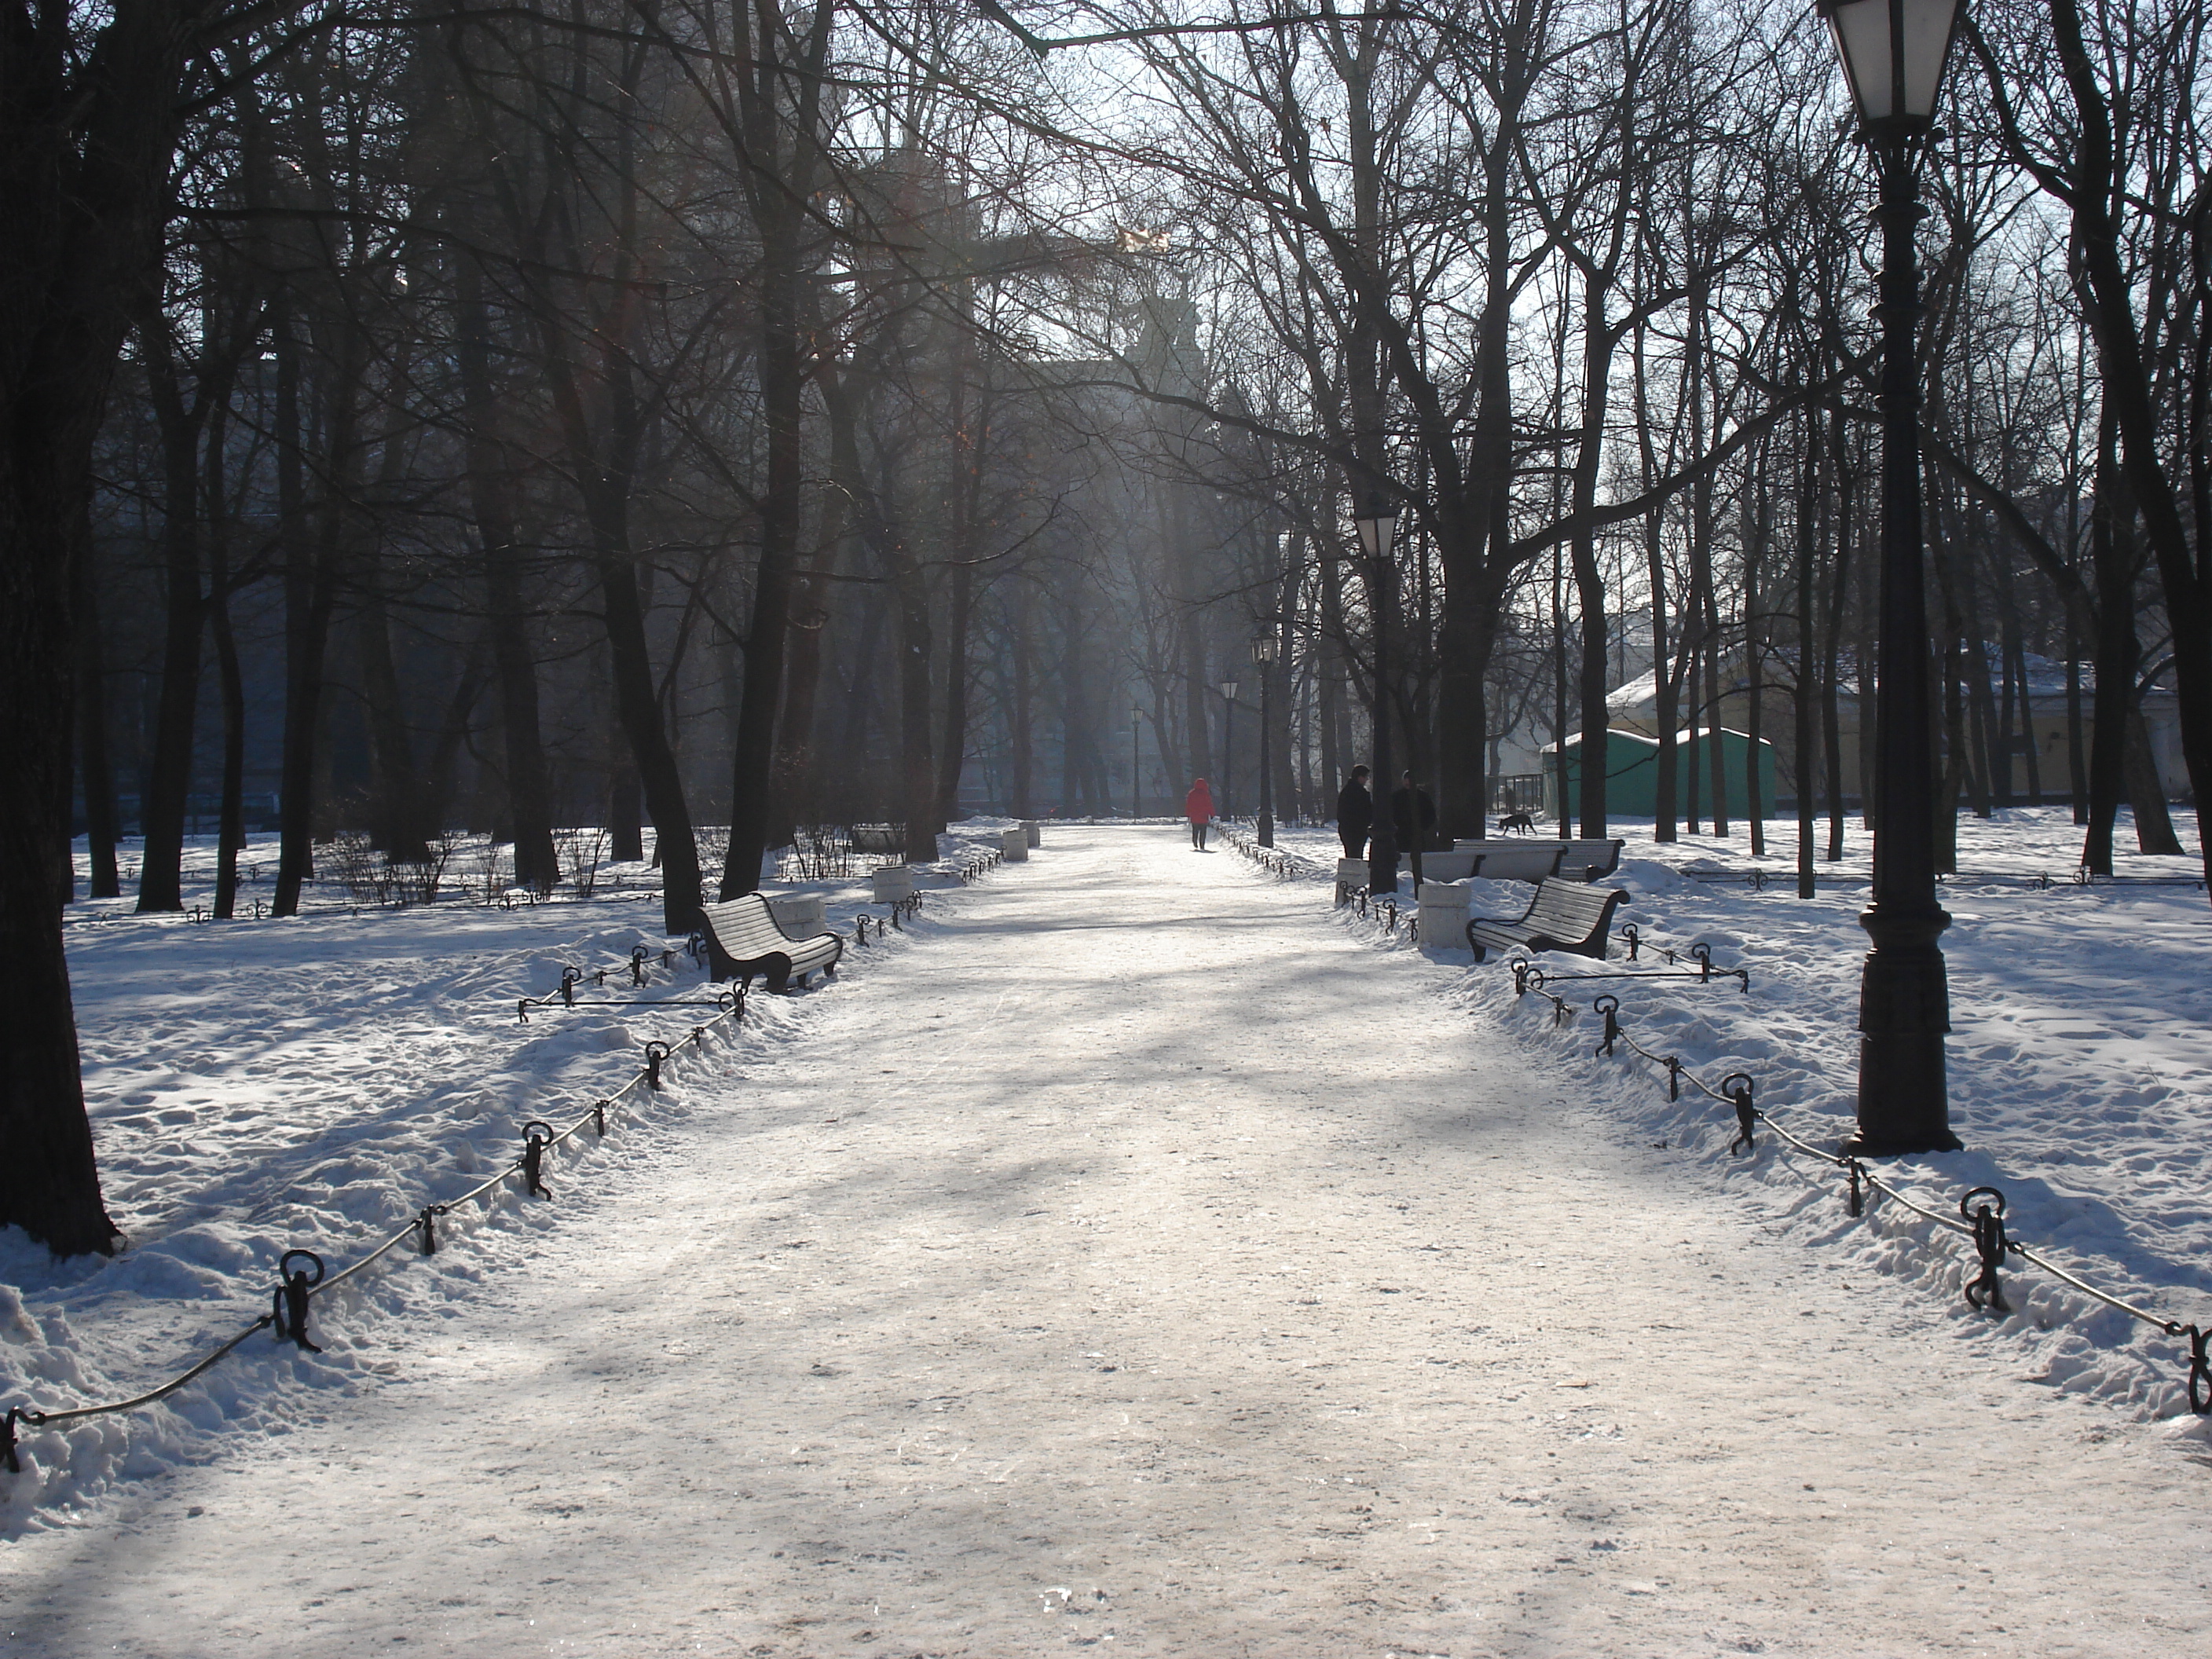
[1518,820]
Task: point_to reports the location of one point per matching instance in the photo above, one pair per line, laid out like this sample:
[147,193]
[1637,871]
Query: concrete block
[1033,830]
[1014,846]
[1444,914]
[1350,877]
[892,883]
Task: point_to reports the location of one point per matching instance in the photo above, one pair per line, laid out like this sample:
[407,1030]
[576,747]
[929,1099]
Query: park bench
[1598,859]
[1519,860]
[1532,860]
[1564,916]
[885,840]
[742,939]
[1529,860]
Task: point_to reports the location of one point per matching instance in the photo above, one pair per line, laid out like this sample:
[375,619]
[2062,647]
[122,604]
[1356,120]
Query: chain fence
[1980,1217]
[302,1275]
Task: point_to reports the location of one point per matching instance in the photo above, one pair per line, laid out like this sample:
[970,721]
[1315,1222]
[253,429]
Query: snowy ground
[2081,1061]
[257,1085]
[1136,1255]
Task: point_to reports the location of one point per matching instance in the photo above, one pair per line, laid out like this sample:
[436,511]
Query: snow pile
[2080,1071]
[256,1086]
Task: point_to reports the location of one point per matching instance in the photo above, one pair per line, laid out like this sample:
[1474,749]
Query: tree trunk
[1020,715]
[1598,339]
[1759,532]
[953,755]
[625,805]
[2101,179]
[1666,712]
[2146,794]
[1952,714]
[793,791]
[168,779]
[1831,718]
[1802,701]
[2113,558]
[95,768]
[230,835]
[638,709]
[439,784]
[775,134]
[87,124]
[529,792]
[2077,762]
[310,560]
[395,785]
[917,770]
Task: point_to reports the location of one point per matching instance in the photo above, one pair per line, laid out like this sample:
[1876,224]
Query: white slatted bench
[1564,916]
[742,939]
[1532,860]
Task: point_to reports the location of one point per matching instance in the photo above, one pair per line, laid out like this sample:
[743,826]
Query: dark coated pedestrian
[1407,800]
[1355,813]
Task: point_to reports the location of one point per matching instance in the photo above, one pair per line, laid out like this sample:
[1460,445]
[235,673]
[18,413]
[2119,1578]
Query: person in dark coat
[1403,800]
[1355,813]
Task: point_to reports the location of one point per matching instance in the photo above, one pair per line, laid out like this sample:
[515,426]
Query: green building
[1632,772]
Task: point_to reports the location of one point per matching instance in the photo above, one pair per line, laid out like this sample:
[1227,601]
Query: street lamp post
[1893,53]
[1375,527]
[1265,647]
[1136,777]
[1228,689]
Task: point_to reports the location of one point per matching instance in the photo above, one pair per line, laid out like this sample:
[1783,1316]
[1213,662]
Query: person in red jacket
[1198,807]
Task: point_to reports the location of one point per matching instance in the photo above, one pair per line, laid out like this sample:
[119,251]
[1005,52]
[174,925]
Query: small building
[1632,772]
[1635,706]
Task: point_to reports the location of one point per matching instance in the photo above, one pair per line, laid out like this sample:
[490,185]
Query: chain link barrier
[297,1286]
[1282,864]
[1994,1243]
[1980,1220]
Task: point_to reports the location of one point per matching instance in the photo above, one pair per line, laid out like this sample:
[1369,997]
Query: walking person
[1355,813]
[1410,804]
[1198,807]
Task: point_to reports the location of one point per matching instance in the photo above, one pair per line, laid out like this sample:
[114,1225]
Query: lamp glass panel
[1928,25]
[1862,32]
[1865,43]
[1375,528]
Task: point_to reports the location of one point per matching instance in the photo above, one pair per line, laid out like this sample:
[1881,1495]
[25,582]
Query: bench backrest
[1569,909]
[1601,858]
[745,928]
[1531,860]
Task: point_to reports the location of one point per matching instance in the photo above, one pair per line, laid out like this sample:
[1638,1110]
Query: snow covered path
[1144,1262]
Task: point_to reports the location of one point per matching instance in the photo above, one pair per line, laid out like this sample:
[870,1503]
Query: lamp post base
[1905,1009]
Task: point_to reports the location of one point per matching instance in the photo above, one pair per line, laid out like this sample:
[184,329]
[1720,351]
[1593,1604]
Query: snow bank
[2080,1071]
[256,1086]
